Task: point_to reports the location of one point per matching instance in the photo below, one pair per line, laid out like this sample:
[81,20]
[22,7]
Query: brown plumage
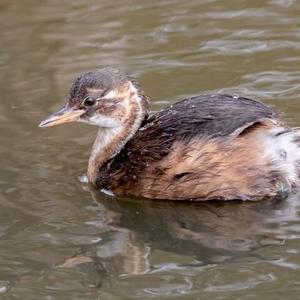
[202,148]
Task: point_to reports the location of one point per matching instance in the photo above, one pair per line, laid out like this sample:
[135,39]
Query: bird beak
[64,115]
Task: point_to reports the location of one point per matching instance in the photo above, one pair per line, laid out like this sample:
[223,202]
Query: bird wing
[207,115]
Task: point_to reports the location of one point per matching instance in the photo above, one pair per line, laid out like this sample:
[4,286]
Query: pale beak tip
[41,125]
[44,123]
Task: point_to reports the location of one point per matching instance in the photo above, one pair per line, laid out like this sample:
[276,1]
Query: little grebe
[205,147]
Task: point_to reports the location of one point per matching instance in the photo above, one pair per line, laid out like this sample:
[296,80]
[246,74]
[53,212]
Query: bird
[207,147]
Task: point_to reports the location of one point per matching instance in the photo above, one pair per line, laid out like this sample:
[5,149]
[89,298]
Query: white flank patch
[284,151]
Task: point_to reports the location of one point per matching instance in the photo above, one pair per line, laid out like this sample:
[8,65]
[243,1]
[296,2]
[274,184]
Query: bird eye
[89,101]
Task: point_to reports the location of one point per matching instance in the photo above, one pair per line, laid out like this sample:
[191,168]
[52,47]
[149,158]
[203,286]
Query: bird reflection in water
[138,237]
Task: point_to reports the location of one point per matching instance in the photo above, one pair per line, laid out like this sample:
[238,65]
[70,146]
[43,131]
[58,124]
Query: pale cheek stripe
[112,94]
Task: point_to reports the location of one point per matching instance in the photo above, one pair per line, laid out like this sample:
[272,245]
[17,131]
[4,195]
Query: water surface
[60,239]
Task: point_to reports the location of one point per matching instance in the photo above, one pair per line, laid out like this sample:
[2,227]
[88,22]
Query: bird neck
[110,141]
